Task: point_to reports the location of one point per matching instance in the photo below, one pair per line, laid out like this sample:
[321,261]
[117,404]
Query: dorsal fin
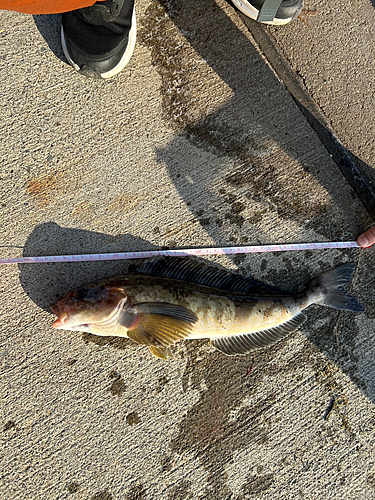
[247,342]
[198,272]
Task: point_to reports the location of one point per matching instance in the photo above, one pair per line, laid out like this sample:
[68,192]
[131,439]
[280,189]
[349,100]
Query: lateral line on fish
[184,252]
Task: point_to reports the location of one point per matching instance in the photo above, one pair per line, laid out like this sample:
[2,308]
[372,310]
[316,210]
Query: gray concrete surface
[332,48]
[195,143]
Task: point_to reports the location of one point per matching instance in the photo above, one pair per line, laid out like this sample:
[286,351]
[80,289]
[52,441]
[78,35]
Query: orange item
[44,6]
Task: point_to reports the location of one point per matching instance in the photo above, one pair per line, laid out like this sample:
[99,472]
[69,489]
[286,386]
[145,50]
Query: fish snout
[62,315]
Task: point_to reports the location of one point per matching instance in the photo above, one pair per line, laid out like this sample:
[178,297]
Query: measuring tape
[91,257]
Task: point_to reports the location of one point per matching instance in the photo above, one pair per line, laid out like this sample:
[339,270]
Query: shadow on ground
[242,132]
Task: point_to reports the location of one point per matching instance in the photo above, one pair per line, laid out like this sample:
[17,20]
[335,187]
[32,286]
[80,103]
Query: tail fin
[331,284]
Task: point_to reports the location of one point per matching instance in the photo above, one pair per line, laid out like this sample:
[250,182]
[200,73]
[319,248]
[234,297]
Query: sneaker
[98,41]
[276,12]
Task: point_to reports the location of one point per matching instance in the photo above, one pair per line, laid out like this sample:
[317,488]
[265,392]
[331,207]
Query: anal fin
[247,342]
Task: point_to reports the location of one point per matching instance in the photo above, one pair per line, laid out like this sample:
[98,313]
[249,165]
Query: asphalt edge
[314,115]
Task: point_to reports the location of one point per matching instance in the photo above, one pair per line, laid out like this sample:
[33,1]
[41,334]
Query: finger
[367,239]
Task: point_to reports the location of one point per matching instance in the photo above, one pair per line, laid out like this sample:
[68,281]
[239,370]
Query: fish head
[94,309]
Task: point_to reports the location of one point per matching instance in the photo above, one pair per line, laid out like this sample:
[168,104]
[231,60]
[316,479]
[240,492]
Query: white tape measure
[91,257]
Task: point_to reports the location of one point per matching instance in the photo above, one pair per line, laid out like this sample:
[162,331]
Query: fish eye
[80,294]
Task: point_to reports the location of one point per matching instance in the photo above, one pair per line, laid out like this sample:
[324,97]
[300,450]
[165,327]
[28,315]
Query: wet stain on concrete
[181,491]
[102,495]
[273,187]
[162,382]
[9,425]
[118,387]
[234,219]
[171,55]
[73,487]
[137,492]
[133,418]
[209,432]
[166,463]
[256,484]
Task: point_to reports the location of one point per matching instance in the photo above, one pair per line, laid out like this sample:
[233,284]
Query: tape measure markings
[146,254]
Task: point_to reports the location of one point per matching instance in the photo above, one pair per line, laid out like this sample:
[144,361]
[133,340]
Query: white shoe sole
[250,11]
[123,61]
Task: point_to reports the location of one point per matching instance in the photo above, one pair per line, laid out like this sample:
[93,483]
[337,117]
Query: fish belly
[233,318]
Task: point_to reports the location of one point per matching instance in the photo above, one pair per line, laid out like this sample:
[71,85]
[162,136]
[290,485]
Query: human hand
[367,238]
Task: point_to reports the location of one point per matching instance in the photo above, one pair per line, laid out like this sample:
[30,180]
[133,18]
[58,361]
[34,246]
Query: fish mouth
[60,322]
[62,316]
[57,323]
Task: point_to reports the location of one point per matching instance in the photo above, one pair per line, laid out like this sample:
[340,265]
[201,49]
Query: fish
[171,299]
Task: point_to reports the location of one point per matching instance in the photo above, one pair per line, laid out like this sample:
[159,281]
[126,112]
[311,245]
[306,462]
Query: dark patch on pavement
[137,492]
[162,382]
[73,487]
[102,495]
[9,425]
[159,34]
[133,418]
[207,431]
[181,491]
[166,463]
[256,484]
[118,387]
[114,375]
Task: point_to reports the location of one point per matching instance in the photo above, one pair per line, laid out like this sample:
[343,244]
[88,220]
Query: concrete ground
[195,143]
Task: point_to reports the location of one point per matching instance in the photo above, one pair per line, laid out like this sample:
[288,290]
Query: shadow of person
[251,147]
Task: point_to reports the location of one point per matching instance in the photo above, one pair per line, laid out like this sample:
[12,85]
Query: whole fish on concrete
[171,299]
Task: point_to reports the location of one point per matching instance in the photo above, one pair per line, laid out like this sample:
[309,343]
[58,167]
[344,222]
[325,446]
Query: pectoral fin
[158,325]
[247,342]
[161,352]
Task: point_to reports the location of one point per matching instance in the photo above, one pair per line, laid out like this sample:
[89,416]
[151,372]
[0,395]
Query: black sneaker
[275,12]
[98,41]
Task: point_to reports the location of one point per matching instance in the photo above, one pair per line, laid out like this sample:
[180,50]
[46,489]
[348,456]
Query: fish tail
[331,285]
